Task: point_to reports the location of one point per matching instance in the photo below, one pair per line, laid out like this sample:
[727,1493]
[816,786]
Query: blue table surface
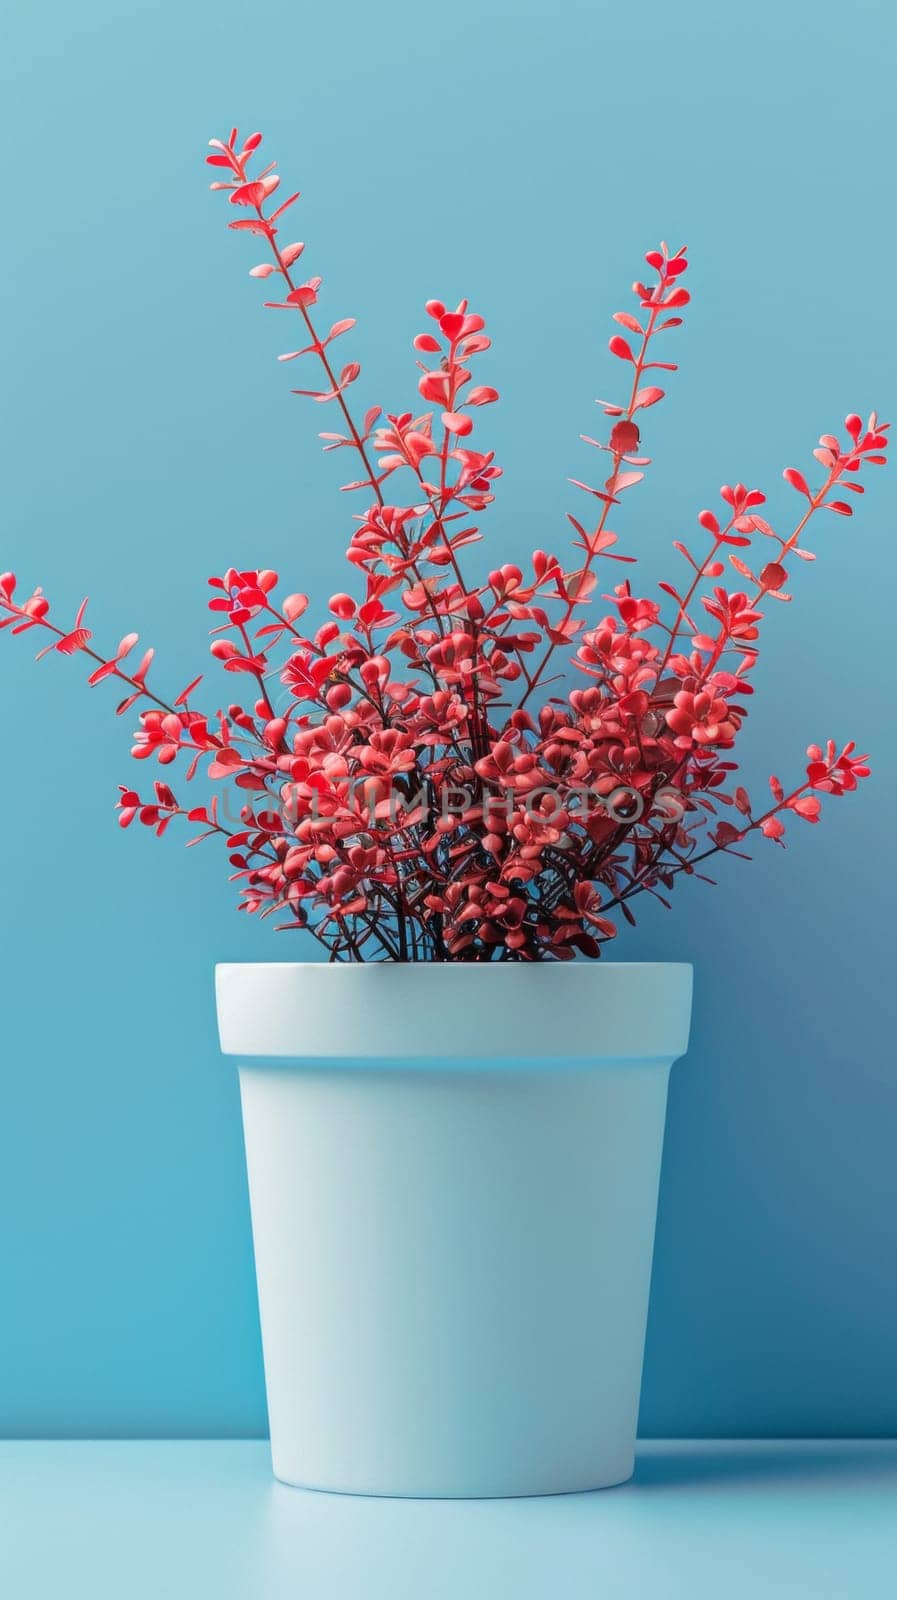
[701,1520]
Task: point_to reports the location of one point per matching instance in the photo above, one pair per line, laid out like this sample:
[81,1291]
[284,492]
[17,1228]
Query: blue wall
[525,154]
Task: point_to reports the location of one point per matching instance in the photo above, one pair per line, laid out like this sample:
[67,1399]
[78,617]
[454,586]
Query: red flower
[836,774]
[305,674]
[636,615]
[388,752]
[702,719]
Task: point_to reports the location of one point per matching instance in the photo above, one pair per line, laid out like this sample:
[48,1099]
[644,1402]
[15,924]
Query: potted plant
[454,1128]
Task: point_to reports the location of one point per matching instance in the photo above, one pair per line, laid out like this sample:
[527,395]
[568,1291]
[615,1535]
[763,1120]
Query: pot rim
[543,1011]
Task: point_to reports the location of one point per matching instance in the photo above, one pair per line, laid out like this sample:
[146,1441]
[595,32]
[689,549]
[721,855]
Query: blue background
[525,155]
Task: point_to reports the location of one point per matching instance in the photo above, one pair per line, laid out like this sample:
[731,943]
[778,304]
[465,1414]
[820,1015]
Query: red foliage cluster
[404,791]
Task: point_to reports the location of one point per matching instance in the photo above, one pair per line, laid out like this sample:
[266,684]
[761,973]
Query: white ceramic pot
[453,1176]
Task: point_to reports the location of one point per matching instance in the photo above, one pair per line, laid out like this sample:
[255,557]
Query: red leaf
[456,422]
[598,493]
[282,208]
[726,834]
[648,396]
[305,295]
[76,640]
[624,438]
[618,346]
[807,806]
[451,324]
[796,480]
[684,551]
[186,693]
[105,671]
[248,194]
[773,575]
[579,586]
[483,395]
[225,761]
[144,667]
